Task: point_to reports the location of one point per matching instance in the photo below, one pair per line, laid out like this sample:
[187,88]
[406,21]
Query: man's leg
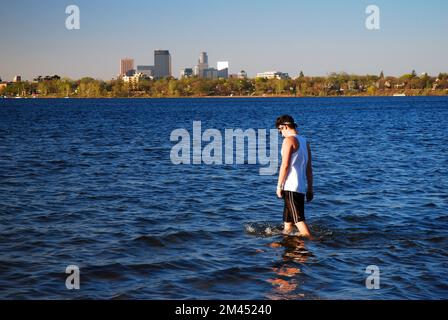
[287,216]
[304,231]
[288,228]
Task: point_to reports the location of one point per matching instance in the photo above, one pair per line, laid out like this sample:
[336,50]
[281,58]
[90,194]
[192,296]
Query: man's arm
[309,175]
[287,150]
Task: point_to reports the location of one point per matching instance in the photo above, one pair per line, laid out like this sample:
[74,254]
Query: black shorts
[294,210]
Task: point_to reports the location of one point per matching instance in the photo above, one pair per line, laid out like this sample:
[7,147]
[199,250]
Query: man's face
[281,130]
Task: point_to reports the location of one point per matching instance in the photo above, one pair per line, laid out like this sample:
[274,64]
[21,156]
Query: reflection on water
[286,285]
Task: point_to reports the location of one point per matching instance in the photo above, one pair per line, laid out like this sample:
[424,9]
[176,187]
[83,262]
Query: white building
[273,75]
[135,79]
[223,69]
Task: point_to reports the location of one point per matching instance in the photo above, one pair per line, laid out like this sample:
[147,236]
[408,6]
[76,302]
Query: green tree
[145,85]
[371,91]
[118,89]
[173,88]
[43,88]
[90,88]
[260,86]
[65,87]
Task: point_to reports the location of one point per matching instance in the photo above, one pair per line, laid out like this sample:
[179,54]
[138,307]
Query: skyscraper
[126,66]
[203,58]
[202,65]
[210,73]
[162,64]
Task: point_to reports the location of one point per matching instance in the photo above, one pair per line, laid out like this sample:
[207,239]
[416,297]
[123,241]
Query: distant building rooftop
[273,75]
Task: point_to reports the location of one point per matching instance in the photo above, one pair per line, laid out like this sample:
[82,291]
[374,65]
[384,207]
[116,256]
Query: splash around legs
[303,230]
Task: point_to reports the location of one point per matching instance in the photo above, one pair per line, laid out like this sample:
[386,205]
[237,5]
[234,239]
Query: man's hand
[280,193]
[309,196]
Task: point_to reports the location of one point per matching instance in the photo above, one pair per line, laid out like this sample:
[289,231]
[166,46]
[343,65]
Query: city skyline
[286,36]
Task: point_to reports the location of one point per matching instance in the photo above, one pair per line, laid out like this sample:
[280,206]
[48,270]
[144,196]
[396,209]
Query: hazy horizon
[318,38]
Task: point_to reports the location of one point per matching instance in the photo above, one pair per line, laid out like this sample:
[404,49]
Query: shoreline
[229,97]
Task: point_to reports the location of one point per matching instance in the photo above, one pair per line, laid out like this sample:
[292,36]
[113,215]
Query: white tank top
[296,175]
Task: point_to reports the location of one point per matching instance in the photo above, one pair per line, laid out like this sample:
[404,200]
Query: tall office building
[203,58]
[162,64]
[202,65]
[126,66]
[210,73]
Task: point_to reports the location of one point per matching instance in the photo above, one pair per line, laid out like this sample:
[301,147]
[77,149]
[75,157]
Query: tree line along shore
[335,84]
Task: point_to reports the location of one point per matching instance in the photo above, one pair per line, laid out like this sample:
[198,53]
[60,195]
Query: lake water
[90,183]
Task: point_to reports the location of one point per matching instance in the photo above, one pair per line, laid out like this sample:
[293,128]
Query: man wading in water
[296,170]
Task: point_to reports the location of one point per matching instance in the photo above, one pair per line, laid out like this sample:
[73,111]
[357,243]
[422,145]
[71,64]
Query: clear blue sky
[318,37]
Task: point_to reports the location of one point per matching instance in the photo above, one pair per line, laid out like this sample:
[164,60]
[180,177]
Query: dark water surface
[90,183]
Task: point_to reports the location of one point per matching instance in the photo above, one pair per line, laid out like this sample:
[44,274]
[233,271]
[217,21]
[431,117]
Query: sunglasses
[280,128]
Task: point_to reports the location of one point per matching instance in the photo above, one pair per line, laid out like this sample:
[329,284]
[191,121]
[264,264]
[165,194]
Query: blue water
[90,183]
